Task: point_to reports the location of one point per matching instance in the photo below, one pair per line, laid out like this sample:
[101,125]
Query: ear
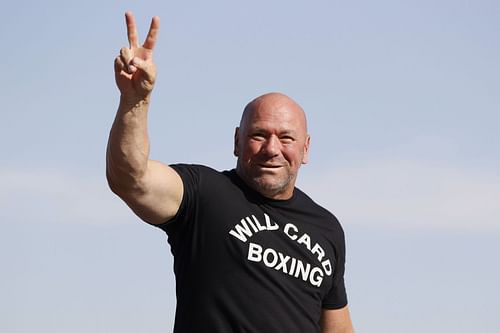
[236,150]
[305,157]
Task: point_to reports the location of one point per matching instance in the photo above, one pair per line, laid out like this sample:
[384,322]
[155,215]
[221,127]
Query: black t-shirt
[246,263]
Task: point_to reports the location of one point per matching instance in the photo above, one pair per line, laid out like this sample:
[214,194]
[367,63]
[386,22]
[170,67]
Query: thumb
[147,68]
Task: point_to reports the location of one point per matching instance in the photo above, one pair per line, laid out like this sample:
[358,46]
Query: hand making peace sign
[135,72]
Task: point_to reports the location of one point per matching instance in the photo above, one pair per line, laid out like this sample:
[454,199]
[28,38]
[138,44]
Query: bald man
[252,253]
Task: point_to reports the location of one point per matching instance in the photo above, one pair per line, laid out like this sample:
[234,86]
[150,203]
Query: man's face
[271,144]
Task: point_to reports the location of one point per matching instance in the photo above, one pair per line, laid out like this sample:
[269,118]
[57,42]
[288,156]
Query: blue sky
[403,107]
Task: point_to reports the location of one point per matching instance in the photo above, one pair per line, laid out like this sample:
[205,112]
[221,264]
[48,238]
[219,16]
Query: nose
[271,146]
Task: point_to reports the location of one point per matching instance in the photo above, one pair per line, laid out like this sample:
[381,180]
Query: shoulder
[204,179]
[319,214]
[195,173]
[184,168]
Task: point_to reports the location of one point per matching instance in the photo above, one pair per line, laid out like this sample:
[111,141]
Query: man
[252,253]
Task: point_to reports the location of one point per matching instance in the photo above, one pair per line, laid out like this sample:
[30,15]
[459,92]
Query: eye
[258,137]
[287,139]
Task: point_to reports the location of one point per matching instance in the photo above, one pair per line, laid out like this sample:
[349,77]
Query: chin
[269,184]
[270,188]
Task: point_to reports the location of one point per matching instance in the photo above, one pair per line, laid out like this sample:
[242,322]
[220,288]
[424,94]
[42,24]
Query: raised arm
[151,189]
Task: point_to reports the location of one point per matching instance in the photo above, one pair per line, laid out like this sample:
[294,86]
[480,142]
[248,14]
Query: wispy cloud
[58,196]
[395,194]
[410,194]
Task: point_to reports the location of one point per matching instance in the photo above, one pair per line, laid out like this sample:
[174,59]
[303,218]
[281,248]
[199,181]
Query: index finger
[150,41]
[131,29]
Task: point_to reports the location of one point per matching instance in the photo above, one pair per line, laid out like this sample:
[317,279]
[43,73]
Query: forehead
[278,114]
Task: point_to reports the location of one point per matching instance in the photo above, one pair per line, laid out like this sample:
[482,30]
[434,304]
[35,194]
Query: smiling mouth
[269,166]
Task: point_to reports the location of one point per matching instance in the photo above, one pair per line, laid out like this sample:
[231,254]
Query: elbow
[117,181]
[111,177]
[124,178]
[114,183]
[124,184]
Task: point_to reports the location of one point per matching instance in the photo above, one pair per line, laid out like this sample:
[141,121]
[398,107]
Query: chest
[267,244]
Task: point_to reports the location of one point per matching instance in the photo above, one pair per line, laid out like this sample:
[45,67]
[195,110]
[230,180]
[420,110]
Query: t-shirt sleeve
[190,176]
[182,228]
[337,296]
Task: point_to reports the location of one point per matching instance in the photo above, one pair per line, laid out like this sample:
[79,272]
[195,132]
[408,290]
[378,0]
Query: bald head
[274,101]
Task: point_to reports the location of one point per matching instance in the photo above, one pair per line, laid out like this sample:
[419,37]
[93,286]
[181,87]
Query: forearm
[128,145]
